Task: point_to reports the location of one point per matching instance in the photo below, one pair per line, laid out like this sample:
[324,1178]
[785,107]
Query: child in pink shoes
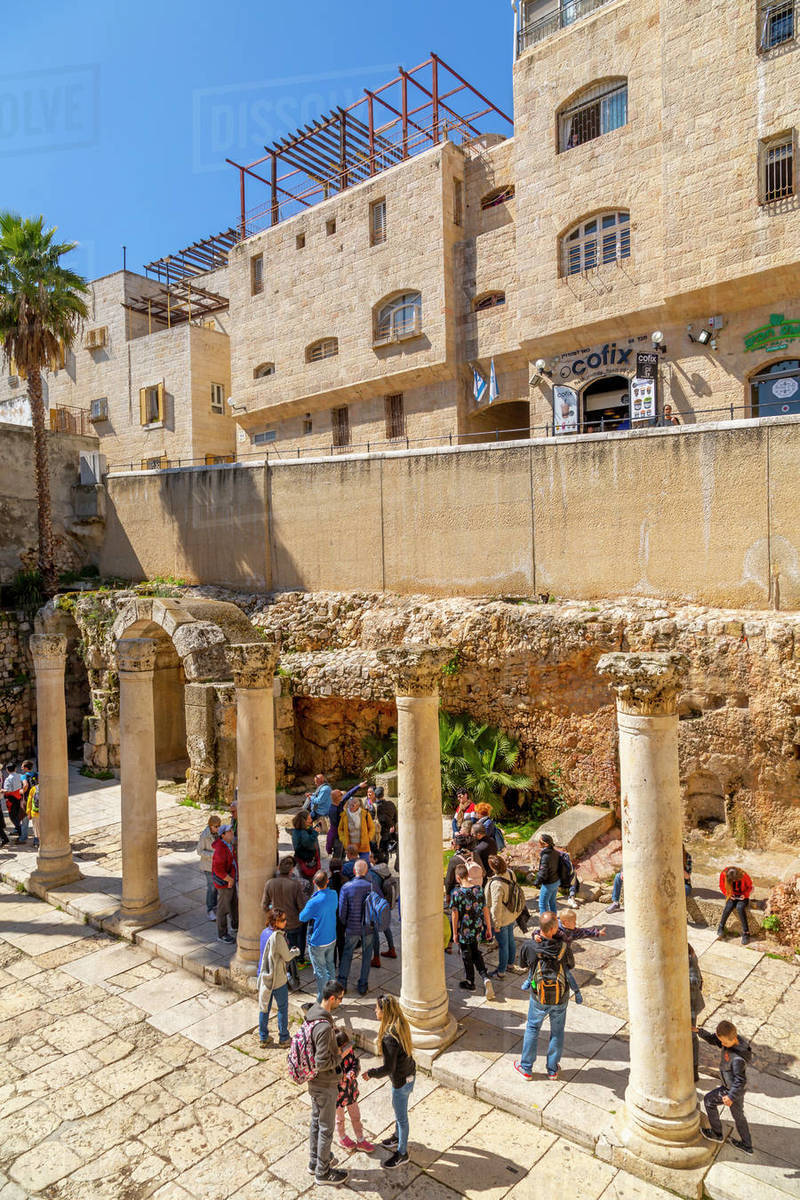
[347,1100]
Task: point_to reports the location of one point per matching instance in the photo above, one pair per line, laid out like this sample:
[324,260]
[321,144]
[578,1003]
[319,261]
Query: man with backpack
[353,915]
[385,890]
[549,997]
[313,1059]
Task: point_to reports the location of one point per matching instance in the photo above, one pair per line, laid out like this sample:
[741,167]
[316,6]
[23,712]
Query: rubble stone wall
[17,701]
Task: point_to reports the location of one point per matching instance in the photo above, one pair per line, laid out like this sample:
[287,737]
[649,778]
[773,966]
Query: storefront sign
[565,409]
[646,366]
[775,336]
[609,359]
[643,399]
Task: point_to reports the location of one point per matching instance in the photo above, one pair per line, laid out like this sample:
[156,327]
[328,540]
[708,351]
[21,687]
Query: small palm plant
[480,758]
[42,309]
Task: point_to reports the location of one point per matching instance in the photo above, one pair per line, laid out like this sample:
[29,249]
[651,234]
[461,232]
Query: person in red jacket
[223,876]
[736,886]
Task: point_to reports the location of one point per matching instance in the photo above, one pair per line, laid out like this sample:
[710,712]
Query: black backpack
[565,869]
[550,978]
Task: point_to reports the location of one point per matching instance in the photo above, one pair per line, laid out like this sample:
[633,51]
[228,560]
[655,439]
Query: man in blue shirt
[321,910]
[352,903]
[318,803]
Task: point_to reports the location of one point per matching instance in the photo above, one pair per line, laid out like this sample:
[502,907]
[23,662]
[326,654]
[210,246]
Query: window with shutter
[341,426]
[395,417]
[377,222]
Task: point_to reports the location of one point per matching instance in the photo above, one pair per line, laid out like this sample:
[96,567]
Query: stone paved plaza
[152,1031]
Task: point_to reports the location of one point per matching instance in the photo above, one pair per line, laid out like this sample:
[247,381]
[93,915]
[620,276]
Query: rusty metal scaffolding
[176,304]
[354,143]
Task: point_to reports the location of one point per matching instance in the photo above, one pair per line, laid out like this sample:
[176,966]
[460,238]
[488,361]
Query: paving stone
[434,1129]
[734,1177]
[105,963]
[212,1180]
[587,1177]
[195,1079]
[165,992]
[628,1187]
[492,1157]
[266,1187]
[130,1074]
[224,1024]
[44,1164]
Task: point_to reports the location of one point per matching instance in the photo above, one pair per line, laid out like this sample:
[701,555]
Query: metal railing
[600,425]
[567,13]
[65,419]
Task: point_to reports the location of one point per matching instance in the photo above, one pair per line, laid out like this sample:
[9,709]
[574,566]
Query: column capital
[136,654]
[48,650]
[253,663]
[415,670]
[646,684]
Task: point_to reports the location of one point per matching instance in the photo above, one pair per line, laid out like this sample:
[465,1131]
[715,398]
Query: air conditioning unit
[95,338]
[92,467]
[99,410]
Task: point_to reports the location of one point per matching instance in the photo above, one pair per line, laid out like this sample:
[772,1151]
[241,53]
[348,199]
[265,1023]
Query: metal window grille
[263,370]
[540,21]
[492,300]
[395,417]
[257,274]
[602,239]
[778,181]
[498,196]
[458,202]
[266,435]
[154,464]
[604,108]
[401,317]
[217,398]
[341,426]
[778,23]
[377,214]
[308,424]
[326,348]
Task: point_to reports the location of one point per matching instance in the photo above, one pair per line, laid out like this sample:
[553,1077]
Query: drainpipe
[516,26]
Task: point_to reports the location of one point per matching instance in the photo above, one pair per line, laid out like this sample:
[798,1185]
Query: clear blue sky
[115,118]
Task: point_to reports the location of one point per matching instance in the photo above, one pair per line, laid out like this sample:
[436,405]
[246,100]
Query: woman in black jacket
[394,1042]
[547,875]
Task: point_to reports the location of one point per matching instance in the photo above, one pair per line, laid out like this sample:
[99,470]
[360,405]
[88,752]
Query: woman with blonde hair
[394,1042]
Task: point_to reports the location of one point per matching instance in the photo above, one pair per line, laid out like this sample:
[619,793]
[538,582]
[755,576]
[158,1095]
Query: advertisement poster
[643,399]
[646,366]
[565,409]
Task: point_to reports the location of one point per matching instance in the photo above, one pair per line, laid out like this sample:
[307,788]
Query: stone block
[576,828]
[388,781]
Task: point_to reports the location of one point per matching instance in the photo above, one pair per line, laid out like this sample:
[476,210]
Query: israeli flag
[478,386]
[493,392]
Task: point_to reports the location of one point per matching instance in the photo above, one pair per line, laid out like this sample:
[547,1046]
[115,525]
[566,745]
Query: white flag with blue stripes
[478,386]
[493,392]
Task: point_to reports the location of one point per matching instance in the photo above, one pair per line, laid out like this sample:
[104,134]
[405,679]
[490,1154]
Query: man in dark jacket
[546,958]
[286,893]
[386,812]
[352,903]
[733,1062]
[547,875]
[323,1088]
[484,847]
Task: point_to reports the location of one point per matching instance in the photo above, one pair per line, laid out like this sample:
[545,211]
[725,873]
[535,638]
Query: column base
[243,964]
[52,874]
[667,1143]
[126,924]
[434,1039]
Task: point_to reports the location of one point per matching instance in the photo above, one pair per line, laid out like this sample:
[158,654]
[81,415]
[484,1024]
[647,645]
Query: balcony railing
[566,14]
[64,419]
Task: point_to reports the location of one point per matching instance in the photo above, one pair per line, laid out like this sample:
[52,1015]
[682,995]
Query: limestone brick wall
[77,539]
[17,689]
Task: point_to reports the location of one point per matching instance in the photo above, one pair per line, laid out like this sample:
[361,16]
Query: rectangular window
[300,241]
[395,417]
[330,226]
[341,426]
[777,170]
[597,113]
[154,464]
[99,409]
[213,460]
[777,23]
[377,222]
[257,274]
[217,398]
[266,435]
[458,202]
[308,424]
[151,404]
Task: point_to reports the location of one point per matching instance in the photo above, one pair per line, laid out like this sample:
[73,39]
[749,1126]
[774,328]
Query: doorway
[607,404]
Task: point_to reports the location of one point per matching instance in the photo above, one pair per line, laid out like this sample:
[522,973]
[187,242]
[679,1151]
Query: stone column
[54,866]
[415,672]
[137,759]
[660,1122]
[253,666]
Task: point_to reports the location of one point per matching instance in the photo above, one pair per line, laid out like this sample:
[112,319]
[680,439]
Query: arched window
[602,239]
[263,370]
[775,391]
[324,348]
[596,110]
[489,300]
[400,317]
[497,196]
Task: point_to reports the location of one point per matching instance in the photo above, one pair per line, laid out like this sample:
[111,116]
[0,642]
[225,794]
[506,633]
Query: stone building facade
[628,202]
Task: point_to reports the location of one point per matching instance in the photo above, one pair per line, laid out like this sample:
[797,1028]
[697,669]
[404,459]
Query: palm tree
[41,312]
[480,758]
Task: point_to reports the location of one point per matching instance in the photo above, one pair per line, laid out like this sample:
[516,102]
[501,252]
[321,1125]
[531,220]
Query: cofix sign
[646,366]
[608,359]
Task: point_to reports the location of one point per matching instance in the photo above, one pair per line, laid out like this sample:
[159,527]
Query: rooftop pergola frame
[177,303]
[209,254]
[417,109]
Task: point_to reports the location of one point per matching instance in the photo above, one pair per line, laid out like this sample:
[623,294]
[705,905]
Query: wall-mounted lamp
[703,337]
[234,407]
[657,338]
[542,367]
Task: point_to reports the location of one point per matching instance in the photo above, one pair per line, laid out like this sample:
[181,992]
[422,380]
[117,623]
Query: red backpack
[302,1064]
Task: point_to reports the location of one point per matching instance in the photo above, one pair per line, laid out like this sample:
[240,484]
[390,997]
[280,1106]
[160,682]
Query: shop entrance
[775,390]
[606,404]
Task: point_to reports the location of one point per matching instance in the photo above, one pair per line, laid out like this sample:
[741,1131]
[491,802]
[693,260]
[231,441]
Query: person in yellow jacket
[356,827]
[32,811]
